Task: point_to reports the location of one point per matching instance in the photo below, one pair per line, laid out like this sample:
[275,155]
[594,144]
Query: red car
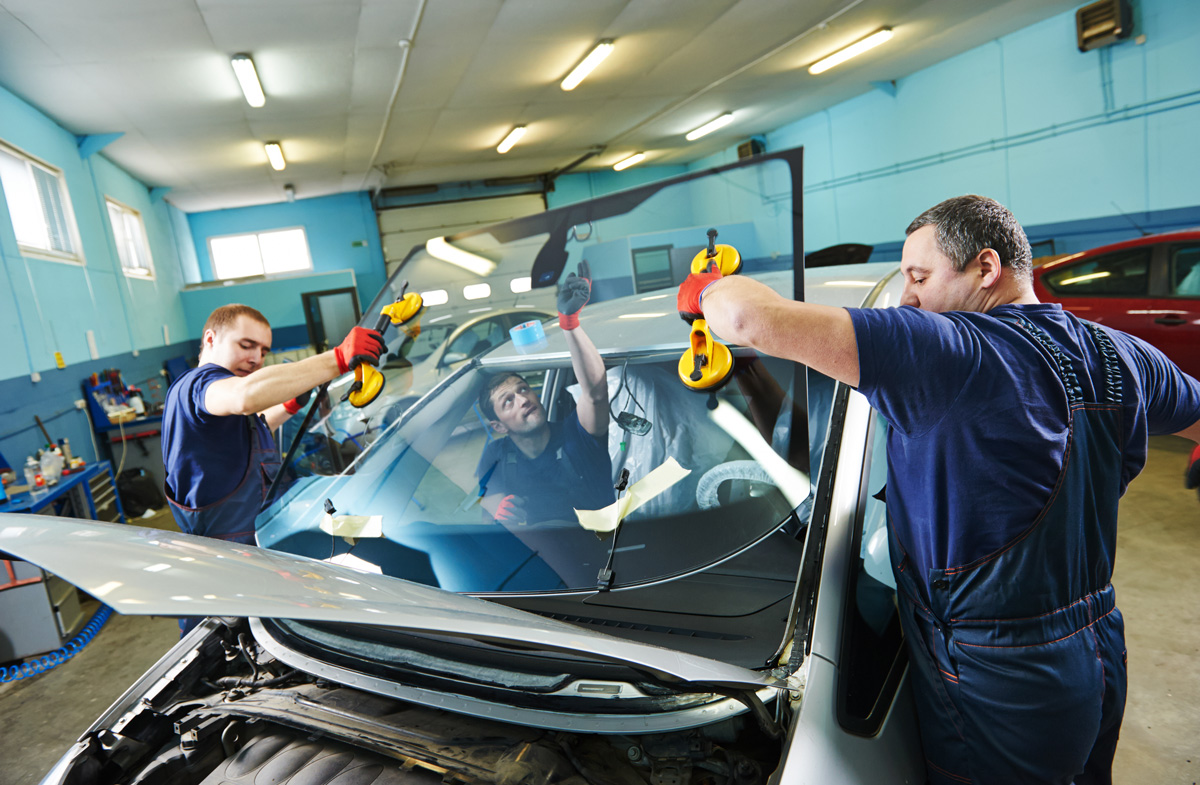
[1148,287]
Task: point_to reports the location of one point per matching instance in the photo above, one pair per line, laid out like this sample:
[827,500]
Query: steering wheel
[710,481]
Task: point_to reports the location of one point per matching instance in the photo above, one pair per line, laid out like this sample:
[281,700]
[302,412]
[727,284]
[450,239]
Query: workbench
[40,612]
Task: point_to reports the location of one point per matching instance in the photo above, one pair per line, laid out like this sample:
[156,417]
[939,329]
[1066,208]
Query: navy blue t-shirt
[205,455]
[976,445]
[573,472]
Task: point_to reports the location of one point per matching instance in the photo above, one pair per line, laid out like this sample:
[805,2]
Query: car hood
[140,571]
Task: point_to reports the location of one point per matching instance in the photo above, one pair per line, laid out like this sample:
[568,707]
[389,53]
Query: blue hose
[45,662]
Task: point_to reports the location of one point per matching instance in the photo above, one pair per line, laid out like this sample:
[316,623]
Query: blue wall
[332,224]
[49,306]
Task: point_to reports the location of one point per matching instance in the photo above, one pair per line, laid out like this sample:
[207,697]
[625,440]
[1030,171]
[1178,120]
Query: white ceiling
[469,70]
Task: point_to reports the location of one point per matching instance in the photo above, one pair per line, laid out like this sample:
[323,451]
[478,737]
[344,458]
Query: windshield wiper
[604,580]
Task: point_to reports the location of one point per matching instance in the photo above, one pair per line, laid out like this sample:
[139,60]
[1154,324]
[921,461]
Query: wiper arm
[604,580]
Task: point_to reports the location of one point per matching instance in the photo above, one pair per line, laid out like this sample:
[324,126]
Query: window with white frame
[261,253]
[130,235]
[36,194]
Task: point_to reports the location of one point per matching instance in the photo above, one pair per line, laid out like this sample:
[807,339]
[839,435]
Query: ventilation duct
[1102,23]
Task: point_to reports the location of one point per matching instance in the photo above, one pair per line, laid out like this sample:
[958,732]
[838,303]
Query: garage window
[260,253]
[129,234]
[651,268]
[1119,274]
[37,199]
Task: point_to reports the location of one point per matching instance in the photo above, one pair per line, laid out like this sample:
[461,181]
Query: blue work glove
[573,294]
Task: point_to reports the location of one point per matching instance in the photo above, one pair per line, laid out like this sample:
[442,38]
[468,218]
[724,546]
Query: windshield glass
[433,492]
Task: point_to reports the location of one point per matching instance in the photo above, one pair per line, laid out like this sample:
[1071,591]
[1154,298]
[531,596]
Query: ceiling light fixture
[600,51]
[275,155]
[710,126]
[632,160]
[438,248]
[513,137]
[243,69]
[854,50]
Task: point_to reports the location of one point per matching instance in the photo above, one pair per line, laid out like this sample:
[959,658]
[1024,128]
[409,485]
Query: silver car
[735,623]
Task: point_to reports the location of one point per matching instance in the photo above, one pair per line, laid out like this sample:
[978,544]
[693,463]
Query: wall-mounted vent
[1102,23]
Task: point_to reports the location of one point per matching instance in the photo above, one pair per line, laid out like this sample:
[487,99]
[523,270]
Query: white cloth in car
[680,429]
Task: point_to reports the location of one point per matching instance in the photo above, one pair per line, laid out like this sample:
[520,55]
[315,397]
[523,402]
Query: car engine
[227,713]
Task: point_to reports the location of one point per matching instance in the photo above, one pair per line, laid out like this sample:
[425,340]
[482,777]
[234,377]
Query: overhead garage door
[403,227]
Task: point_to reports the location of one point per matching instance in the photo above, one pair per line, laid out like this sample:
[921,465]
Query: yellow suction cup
[727,259]
[404,308]
[707,364]
[368,383]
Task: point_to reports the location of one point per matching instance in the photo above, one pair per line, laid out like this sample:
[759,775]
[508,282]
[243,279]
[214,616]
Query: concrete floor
[1157,587]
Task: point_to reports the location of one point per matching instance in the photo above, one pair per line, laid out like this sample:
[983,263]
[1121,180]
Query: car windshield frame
[549,244]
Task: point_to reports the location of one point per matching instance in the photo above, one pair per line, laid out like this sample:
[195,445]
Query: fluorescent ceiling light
[518,285]
[710,126]
[854,50]
[440,249]
[243,69]
[863,284]
[513,137]
[275,155]
[636,158]
[640,315]
[598,53]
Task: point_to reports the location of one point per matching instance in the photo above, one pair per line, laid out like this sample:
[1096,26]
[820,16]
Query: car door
[1176,322]
[1112,289]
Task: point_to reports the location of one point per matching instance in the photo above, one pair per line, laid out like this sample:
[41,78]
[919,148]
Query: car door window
[1185,271]
[1123,273]
[873,655]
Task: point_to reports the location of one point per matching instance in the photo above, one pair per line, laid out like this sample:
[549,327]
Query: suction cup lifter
[368,381]
[707,364]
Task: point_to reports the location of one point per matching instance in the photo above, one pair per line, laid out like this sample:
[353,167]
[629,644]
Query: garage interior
[146,164]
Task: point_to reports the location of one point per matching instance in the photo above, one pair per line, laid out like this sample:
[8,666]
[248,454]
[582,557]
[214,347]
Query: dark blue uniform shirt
[573,472]
[974,443]
[205,455]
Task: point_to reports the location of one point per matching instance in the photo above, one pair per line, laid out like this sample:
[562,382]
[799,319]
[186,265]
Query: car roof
[1137,242]
[648,322]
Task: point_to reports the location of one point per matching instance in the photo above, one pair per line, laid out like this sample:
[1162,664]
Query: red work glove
[687,302]
[1192,478]
[297,403]
[361,346]
[510,509]
[573,294]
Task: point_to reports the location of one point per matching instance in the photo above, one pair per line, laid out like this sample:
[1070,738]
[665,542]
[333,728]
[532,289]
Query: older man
[1015,428]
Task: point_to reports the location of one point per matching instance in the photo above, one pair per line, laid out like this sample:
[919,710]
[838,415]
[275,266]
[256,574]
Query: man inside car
[541,470]
[1015,429]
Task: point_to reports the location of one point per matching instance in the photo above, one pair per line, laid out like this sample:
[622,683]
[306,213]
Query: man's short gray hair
[965,225]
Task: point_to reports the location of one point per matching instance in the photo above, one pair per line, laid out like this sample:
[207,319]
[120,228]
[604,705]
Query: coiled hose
[45,662]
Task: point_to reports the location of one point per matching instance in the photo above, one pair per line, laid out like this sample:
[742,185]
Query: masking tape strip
[606,520]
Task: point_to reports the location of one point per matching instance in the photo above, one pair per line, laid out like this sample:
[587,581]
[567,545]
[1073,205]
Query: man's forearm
[269,386]
[748,313]
[593,383]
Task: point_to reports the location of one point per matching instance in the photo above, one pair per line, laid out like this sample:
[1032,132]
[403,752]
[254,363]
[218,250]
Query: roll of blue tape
[528,336]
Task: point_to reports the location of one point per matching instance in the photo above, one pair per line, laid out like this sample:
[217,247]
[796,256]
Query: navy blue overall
[232,518]
[1018,658]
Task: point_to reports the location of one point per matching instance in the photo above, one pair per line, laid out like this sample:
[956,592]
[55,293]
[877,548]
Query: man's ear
[497,427]
[989,267]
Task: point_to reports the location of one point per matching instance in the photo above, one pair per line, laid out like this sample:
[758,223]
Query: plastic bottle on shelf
[52,465]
